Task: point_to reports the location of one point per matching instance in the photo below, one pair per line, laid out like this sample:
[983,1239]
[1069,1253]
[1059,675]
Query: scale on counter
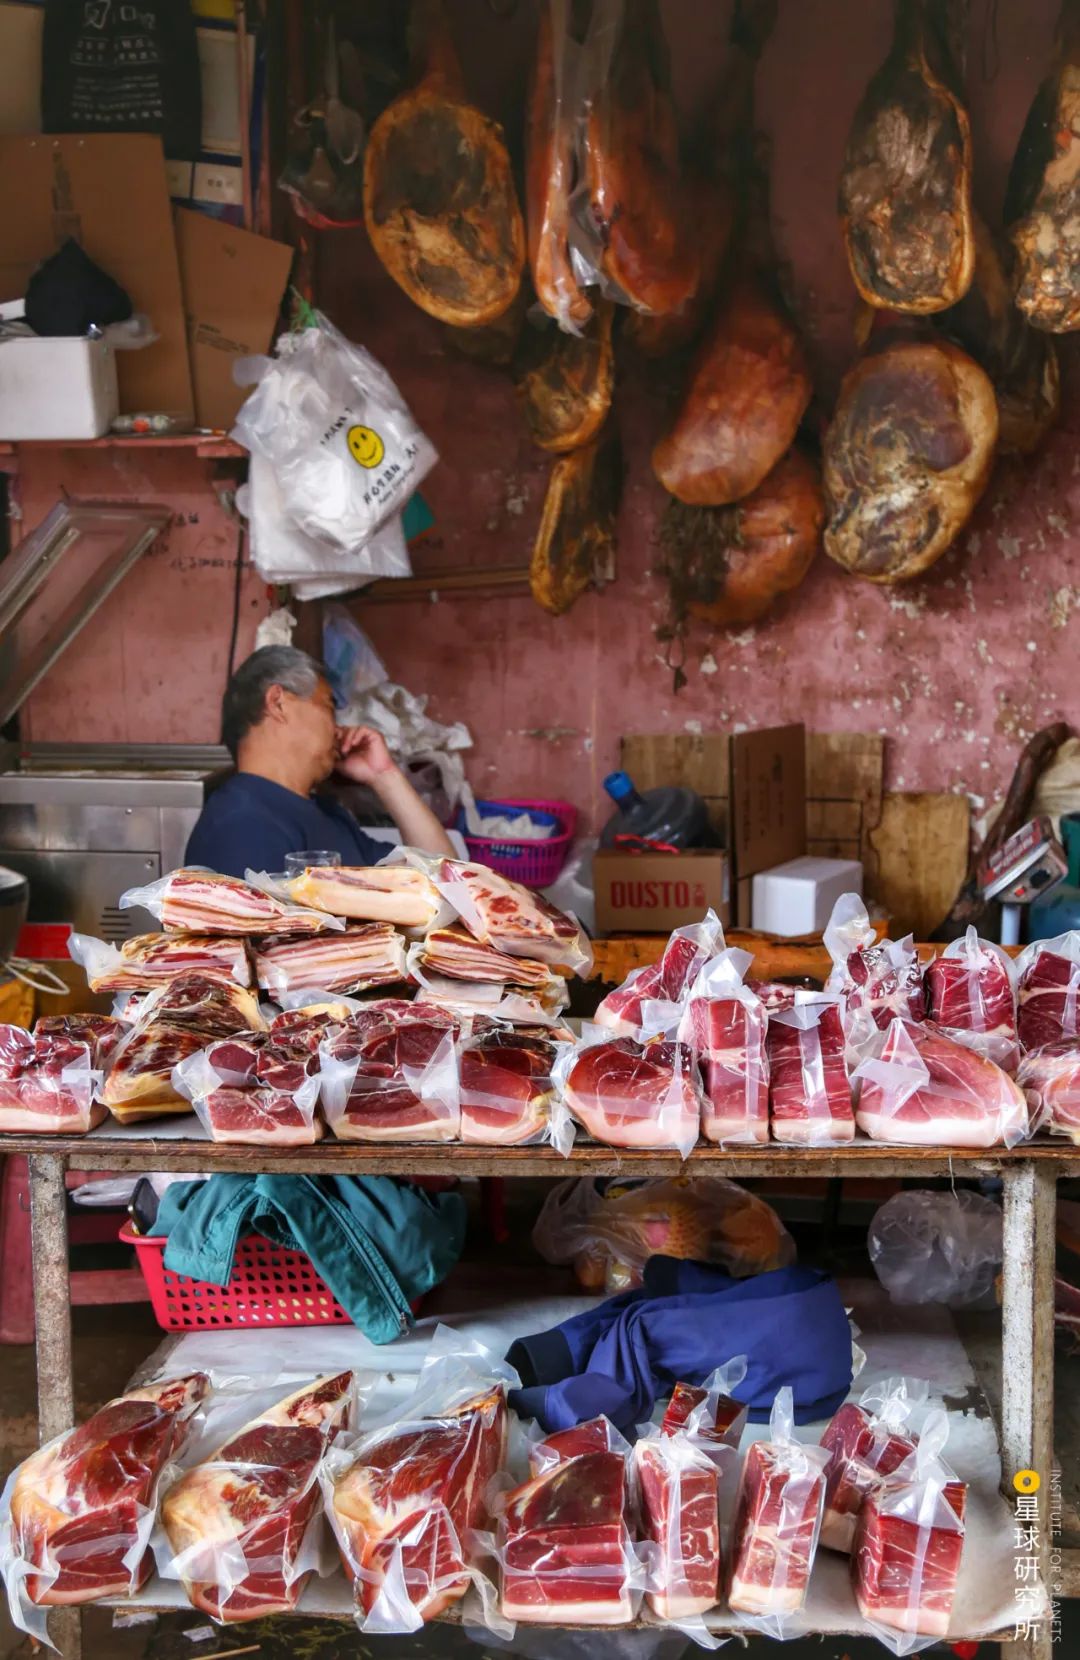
[1024,868]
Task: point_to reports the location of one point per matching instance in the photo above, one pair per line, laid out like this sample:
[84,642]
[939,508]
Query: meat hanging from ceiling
[905,189]
[550,165]
[728,565]
[907,455]
[565,381]
[1042,200]
[637,205]
[1021,360]
[575,544]
[439,198]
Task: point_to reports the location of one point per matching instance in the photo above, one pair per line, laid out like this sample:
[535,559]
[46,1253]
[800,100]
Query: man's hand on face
[362,755]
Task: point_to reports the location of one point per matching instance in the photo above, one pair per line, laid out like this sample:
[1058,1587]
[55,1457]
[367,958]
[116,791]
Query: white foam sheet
[916,1341]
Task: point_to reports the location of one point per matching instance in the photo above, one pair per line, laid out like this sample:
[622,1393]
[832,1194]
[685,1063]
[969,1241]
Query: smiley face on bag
[365,446]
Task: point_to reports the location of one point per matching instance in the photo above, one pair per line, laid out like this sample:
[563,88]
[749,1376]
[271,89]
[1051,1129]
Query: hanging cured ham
[575,544]
[711,211]
[905,190]
[729,565]
[907,456]
[632,171]
[550,169]
[1042,201]
[565,382]
[439,199]
[1020,360]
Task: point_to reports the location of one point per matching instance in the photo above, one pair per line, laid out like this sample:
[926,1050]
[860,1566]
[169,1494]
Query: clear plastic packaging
[1048,991]
[922,1087]
[1050,1079]
[193,901]
[809,1088]
[241,1528]
[49,1084]
[149,960]
[360,958]
[454,954]
[971,995]
[513,918]
[668,980]
[205,1003]
[909,1541]
[937,1247]
[138,1083]
[406,1498]
[866,1441]
[777,1523]
[679,1493]
[391,1074]
[76,1516]
[345,451]
[709,1415]
[253,1095]
[725,1024]
[398,894]
[507,1090]
[876,980]
[610,1230]
[468,1000]
[630,1094]
[552,133]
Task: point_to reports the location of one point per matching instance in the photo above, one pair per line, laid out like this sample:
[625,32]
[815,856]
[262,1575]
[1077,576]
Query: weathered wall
[956,670]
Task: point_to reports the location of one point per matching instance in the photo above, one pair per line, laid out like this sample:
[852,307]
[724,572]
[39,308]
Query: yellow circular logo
[365,446]
[1027,1481]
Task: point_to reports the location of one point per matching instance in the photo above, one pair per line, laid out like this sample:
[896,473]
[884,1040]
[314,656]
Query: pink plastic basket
[269,1287]
[534,863]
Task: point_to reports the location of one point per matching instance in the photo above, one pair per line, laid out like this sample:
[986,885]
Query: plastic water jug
[670,816]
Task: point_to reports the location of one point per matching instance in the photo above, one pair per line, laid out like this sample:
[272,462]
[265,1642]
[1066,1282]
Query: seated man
[278,722]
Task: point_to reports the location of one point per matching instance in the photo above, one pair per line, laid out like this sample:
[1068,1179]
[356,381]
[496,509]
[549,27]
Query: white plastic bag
[865,1442]
[929,1247]
[312,566]
[345,451]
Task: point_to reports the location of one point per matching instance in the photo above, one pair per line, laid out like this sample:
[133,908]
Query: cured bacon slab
[631,1094]
[82,1506]
[809,1088]
[905,191]
[202,902]
[358,959]
[775,1532]
[439,199]
[139,1080]
[1041,197]
[1048,991]
[49,1081]
[550,168]
[1050,1077]
[514,919]
[237,1521]
[971,996]
[748,390]
[378,893]
[667,980]
[506,1087]
[909,1540]
[925,1089]
[565,1544]
[457,954]
[411,1497]
[680,1513]
[149,960]
[391,1074]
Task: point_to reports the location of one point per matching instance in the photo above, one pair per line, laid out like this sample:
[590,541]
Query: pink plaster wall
[955,670]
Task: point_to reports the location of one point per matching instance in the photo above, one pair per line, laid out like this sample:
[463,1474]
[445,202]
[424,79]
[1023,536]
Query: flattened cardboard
[233,282]
[109,192]
[652,893]
[768,805]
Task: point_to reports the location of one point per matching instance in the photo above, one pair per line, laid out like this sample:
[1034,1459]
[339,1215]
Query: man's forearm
[418,825]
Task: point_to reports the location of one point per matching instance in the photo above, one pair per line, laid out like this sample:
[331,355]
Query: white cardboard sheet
[917,1341]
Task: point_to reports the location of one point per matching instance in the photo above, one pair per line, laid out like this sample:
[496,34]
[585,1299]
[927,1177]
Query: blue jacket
[687,1319]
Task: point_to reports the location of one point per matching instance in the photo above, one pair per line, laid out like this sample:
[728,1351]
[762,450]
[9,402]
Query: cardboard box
[233,282]
[652,893]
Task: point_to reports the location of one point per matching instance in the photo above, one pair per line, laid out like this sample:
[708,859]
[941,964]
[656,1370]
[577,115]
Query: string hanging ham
[565,381]
[550,163]
[575,541]
[1041,199]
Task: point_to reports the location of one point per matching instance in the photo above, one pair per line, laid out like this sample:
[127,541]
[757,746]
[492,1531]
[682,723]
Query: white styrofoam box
[56,387]
[798,897]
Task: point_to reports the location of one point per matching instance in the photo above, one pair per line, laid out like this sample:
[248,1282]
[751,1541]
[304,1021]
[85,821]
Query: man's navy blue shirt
[250,823]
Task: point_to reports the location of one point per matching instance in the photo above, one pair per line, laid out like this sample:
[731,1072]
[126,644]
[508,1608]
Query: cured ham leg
[565,382]
[907,456]
[550,167]
[905,191]
[575,545]
[1042,201]
[439,199]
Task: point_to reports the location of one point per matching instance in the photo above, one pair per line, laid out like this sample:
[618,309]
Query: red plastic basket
[535,863]
[269,1287]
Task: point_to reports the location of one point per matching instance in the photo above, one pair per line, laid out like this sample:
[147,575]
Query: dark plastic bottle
[670,815]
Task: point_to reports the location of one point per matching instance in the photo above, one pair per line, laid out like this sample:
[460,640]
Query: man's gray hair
[244,704]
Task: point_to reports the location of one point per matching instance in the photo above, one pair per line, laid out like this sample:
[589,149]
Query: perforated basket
[269,1287]
[534,863]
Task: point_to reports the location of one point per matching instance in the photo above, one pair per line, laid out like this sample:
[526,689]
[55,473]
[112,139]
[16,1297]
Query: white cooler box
[56,387]
[798,897]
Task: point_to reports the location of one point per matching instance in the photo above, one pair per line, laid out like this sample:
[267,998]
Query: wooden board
[698,761]
[921,846]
